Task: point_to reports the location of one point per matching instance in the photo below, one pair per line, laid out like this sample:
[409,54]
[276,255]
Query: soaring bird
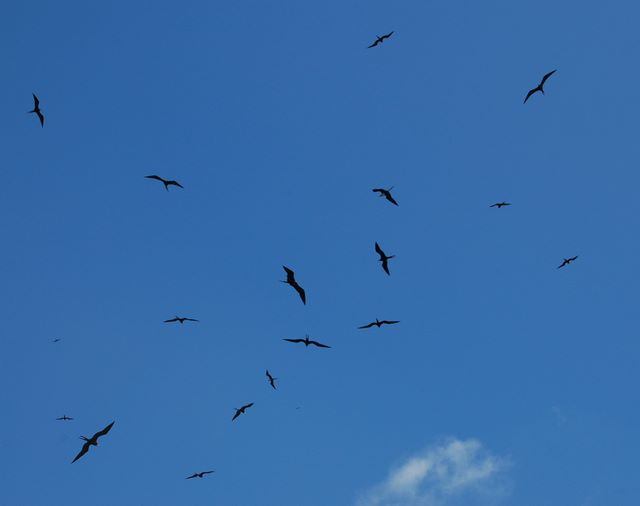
[380,40]
[64,417]
[199,475]
[500,204]
[56,340]
[240,411]
[291,280]
[307,342]
[272,380]
[379,323]
[93,441]
[166,182]
[567,261]
[181,320]
[540,87]
[386,194]
[384,258]
[36,109]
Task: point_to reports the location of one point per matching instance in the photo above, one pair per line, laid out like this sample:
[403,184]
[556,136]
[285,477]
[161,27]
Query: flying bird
[199,475]
[36,109]
[272,380]
[307,342]
[93,441]
[384,258]
[500,204]
[181,320]
[57,339]
[380,40]
[291,280]
[240,411]
[379,323]
[567,261]
[386,194]
[64,417]
[540,87]
[166,182]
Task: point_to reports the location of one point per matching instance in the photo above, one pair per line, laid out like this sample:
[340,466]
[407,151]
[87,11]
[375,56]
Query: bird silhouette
[272,380]
[307,342]
[92,441]
[540,87]
[64,417]
[166,182]
[567,261]
[379,323]
[36,109]
[291,280]
[384,259]
[380,40]
[56,340]
[240,411]
[181,320]
[500,204]
[386,194]
[199,475]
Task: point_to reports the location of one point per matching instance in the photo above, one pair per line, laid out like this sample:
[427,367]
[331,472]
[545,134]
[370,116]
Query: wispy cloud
[445,474]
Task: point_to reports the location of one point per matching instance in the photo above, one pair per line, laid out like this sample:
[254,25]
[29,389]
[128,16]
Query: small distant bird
[379,323]
[36,109]
[567,261]
[386,194]
[93,441]
[240,411]
[540,87]
[64,417]
[272,380]
[380,40]
[307,342]
[291,280]
[384,258]
[57,339]
[199,475]
[500,204]
[166,182]
[181,320]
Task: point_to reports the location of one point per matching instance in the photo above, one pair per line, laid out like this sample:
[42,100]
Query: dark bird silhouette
[384,258]
[36,109]
[567,261]
[291,280]
[272,380]
[199,475]
[500,204]
[380,40]
[307,342]
[540,87]
[379,323]
[386,194]
[64,417]
[93,441]
[181,320]
[57,339]
[240,411]
[166,182]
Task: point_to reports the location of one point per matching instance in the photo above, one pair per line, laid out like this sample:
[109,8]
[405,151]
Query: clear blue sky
[507,382]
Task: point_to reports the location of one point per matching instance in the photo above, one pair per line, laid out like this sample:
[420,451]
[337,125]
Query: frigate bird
[500,204]
[291,280]
[64,417]
[166,182]
[540,87]
[384,258]
[379,323]
[181,320]
[36,109]
[92,441]
[240,411]
[380,39]
[386,194]
[271,379]
[307,342]
[199,475]
[567,261]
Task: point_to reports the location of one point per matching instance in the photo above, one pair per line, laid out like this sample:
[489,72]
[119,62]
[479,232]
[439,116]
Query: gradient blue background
[278,121]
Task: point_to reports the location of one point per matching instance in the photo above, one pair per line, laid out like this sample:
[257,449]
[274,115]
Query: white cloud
[444,474]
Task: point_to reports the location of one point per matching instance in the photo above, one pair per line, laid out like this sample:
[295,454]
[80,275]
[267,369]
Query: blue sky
[507,381]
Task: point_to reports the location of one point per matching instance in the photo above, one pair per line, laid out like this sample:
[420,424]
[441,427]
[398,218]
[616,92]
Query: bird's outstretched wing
[546,76]
[387,35]
[85,449]
[238,413]
[175,183]
[367,326]
[294,340]
[573,258]
[385,266]
[172,320]
[207,472]
[36,101]
[379,251]
[390,198]
[389,322]
[290,274]
[300,291]
[40,117]
[194,475]
[104,431]
[157,178]
[247,405]
[319,345]
[375,43]
[531,92]
[191,320]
